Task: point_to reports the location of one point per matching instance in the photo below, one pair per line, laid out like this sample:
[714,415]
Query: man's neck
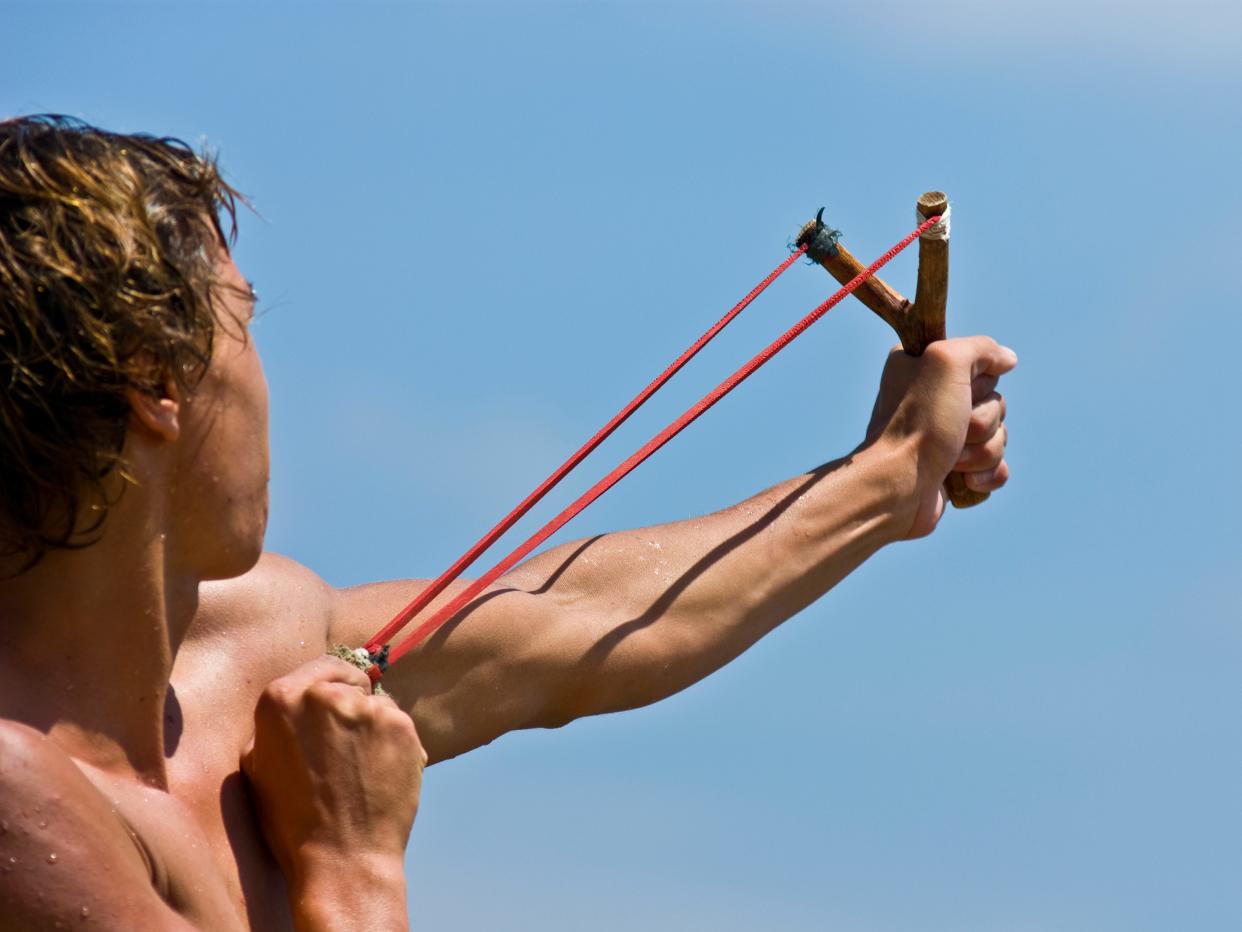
[87,639]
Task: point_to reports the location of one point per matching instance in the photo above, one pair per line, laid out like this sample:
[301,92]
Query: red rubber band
[463,598]
[446,578]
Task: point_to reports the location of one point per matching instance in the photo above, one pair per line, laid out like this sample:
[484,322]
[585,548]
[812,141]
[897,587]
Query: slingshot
[917,324]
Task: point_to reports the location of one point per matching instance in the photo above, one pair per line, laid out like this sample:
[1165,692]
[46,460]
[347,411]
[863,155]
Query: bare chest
[209,722]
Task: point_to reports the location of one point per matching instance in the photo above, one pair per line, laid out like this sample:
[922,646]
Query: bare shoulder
[276,595]
[34,772]
[247,632]
[65,855]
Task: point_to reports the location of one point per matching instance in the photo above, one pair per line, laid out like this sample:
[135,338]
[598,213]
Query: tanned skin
[589,627]
[597,625]
[111,797]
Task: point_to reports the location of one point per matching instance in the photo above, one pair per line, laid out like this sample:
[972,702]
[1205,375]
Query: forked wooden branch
[917,324]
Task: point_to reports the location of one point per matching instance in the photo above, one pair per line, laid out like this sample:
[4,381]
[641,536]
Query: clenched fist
[944,409]
[336,774]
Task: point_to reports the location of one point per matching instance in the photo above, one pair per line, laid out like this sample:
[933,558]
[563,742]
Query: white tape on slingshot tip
[939,229]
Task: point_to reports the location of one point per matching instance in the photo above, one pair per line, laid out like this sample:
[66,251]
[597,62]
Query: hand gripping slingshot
[917,324]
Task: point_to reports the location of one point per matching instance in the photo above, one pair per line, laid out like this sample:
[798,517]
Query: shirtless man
[130,392]
[581,629]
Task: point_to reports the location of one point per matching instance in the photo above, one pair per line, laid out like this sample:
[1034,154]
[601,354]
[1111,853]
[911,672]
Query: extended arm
[626,619]
[629,618]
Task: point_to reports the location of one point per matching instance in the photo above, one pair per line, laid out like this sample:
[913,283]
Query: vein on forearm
[649,628]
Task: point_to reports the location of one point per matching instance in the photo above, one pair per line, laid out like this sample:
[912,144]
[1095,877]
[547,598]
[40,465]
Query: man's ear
[156,413]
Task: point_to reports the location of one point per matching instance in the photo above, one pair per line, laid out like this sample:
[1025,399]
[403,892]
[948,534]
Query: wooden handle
[932,291]
[917,324]
[930,296]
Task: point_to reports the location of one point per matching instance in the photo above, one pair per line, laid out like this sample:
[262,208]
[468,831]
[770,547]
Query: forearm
[354,892]
[625,619]
[663,607]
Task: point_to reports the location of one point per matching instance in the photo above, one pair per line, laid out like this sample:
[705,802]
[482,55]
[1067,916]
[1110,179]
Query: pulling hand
[336,774]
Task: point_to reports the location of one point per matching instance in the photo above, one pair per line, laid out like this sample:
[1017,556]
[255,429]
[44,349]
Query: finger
[394,716]
[986,418]
[987,356]
[387,698]
[941,503]
[988,480]
[980,457]
[345,699]
[981,387]
[327,669]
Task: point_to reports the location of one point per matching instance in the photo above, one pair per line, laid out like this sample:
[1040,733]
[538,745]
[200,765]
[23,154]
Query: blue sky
[484,227]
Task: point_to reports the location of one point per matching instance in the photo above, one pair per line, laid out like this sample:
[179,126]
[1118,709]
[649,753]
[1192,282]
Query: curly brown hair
[108,248]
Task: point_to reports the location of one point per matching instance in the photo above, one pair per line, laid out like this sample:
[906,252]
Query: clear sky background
[484,227]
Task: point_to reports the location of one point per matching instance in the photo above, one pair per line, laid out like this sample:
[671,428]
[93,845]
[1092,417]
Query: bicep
[495,667]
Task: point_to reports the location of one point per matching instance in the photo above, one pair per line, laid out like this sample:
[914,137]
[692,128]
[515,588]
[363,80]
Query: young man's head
[127,380]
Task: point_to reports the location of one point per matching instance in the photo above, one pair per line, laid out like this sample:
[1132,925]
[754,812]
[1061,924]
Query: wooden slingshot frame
[916,324]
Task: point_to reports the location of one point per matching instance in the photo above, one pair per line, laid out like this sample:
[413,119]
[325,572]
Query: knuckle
[980,457]
[984,344]
[348,672]
[326,695]
[942,351]
[979,430]
[404,736]
[995,446]
[985,419]
[278,695]
[396,721]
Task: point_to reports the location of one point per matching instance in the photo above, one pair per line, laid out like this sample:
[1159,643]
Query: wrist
[348,890]
[893,470]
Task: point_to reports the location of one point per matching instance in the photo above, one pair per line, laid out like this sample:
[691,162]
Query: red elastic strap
[424,598]
[464,597]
